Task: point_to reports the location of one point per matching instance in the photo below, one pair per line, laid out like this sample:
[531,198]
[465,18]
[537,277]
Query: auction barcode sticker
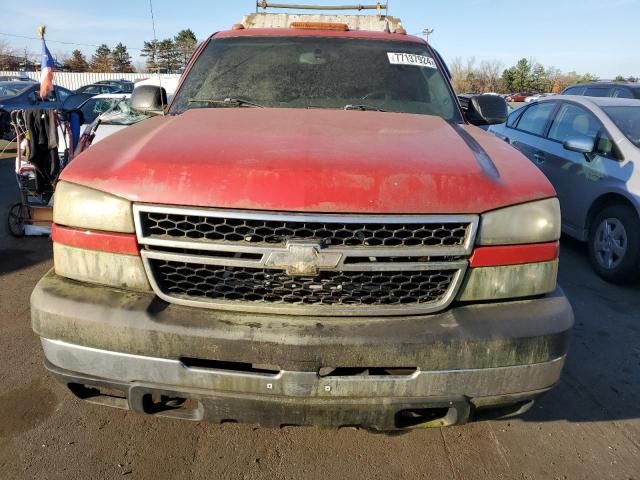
[411,59]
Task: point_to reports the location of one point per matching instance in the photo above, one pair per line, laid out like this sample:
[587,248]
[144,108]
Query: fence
[76,80]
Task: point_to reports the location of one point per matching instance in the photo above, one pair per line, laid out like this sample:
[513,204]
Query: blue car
[16,95]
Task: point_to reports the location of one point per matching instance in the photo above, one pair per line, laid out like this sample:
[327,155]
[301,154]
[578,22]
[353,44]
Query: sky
[596,36]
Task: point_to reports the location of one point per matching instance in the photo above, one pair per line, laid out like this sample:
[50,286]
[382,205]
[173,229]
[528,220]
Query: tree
[8,60]
[121,59]
[77,62]
[168,57]
[619,78]
[632,79]
[587,77]
[101,60]
[458,75]
[554,75]
[522,80]
[185,42]
[489,76]
[150,52]
[509,80]
[539,81]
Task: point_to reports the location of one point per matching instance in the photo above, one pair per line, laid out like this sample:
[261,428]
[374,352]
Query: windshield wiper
[363,108]
[227,102]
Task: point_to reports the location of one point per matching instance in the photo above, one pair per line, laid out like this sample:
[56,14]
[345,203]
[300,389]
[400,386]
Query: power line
[59,41]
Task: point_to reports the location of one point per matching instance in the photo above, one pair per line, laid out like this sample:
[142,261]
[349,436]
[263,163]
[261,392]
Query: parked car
[15,78]
[518,97]
[118,116]
[312,232]
[91,109]
[126,86]
[589,149]
[536,97]
[605,89]
[16,95]
[100,88]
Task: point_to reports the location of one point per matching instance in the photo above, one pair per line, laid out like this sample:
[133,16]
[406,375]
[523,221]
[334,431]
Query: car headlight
[94,240]
[83,207]
[516,253]
[534,222]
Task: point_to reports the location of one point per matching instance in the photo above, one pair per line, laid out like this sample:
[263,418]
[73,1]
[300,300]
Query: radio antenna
[155,51]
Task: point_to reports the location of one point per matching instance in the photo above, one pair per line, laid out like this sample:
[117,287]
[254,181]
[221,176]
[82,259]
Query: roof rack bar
[264,5]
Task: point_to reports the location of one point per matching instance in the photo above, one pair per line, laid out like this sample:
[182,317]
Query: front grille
[335,234]
[340,265]
[350,288]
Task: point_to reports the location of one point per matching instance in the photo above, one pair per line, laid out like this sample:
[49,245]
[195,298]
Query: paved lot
[587,428]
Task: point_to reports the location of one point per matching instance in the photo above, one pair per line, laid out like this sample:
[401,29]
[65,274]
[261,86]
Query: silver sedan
[589,148]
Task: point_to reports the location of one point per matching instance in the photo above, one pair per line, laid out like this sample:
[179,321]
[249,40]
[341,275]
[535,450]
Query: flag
[47,67]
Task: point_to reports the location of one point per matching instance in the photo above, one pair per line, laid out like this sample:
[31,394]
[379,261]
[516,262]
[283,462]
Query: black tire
[615,253]
[18,215]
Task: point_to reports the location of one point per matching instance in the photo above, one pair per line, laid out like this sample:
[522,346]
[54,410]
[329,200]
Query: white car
[535,98]
[91,109]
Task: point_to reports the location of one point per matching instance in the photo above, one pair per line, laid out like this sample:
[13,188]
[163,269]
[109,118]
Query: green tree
[185,43]
[539,79]
[121,59]
[101,60]
[522,80]
[150,52]
[619,78]
[587,77]
[168,57]
[509,80]
[77,62]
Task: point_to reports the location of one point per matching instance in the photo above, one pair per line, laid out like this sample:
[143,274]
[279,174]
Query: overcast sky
[597,36]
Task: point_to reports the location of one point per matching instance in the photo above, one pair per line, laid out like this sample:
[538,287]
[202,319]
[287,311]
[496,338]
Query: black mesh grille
[178,226]
[326,288]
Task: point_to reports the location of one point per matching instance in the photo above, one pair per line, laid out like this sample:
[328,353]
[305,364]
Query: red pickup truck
[312,232]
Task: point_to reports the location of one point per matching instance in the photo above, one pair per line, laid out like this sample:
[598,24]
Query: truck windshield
[317,72]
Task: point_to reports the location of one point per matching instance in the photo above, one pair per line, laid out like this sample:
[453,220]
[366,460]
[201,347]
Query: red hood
[308,160]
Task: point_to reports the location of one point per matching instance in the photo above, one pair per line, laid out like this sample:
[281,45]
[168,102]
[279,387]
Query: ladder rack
[264,5]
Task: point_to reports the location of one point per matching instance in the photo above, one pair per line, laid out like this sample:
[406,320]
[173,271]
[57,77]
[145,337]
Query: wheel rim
[610,243]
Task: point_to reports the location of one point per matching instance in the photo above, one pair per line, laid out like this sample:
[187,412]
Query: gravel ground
[587,428]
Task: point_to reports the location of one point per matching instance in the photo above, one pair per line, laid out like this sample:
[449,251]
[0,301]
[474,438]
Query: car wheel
[614,244]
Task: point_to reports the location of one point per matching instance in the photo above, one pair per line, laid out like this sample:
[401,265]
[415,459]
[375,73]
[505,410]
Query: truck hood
[310,161]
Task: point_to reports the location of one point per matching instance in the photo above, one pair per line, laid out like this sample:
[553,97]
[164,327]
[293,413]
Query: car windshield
[96,106]
[627,119]
[11,89]
[317,72]
[122,114]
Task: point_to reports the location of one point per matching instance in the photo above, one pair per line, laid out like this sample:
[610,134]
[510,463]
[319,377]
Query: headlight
[534,222]
[94,240]
[83,207]
[516,253]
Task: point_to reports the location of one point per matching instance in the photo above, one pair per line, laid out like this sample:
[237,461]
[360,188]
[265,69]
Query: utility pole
[426,32]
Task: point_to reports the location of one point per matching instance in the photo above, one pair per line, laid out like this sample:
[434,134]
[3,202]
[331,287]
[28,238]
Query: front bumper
[131,350]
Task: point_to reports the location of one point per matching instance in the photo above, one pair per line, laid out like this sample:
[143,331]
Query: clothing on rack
[42,134]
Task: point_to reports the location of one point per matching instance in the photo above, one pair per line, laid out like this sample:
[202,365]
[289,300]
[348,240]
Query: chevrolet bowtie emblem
[303,258]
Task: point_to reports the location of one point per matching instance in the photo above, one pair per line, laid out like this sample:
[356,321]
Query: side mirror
[580,144]
[485,109]
[149,99]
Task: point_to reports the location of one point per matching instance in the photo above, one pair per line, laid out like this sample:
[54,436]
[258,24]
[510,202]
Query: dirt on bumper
[472,336]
